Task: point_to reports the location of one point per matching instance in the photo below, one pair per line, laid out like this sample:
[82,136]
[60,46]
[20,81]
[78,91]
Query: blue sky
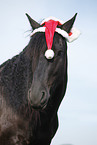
[78,110]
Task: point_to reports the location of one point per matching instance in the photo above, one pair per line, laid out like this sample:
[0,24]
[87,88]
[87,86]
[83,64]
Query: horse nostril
[43,97]
[43,94]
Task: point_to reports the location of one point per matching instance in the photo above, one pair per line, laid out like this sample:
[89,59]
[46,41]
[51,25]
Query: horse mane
[17,74]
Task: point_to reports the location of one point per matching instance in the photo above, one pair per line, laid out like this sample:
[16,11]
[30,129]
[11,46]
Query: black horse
[31,90]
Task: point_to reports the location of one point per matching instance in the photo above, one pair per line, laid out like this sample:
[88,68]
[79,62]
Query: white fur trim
[74,36]
[52,18]
[40,29]
[49,54]
[62,32]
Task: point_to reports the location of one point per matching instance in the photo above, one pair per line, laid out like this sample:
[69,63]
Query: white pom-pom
[49,54]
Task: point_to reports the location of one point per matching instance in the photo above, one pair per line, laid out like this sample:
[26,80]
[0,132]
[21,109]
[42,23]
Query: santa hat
[50,27]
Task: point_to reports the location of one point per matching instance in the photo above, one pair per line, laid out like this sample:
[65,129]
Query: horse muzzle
[38,97]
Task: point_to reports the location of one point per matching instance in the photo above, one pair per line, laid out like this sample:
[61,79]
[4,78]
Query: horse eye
[60,53]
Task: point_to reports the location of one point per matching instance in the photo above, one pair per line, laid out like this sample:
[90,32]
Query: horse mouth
[40,107]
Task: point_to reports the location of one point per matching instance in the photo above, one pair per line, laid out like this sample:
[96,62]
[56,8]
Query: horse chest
[13,129]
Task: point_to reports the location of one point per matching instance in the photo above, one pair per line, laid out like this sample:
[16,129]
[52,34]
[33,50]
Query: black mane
[17,74]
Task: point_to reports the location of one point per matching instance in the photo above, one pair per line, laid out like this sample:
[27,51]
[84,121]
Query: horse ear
[69,24]
[33,23]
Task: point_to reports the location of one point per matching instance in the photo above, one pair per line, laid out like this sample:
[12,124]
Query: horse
[33,84]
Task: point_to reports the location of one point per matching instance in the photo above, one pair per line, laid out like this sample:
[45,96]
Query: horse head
[48,49]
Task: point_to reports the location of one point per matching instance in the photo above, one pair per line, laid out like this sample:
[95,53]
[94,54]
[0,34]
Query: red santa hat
[50,27]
